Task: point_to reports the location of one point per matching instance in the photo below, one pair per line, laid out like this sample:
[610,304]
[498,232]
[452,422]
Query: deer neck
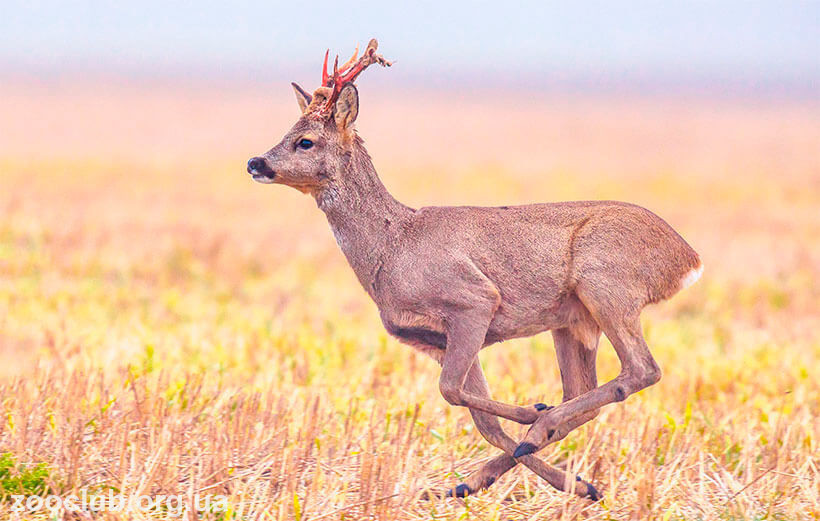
[362,214]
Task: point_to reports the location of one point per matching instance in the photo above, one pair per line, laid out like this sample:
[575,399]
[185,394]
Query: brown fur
[451,280]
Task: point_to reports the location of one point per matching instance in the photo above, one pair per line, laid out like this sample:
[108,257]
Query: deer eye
[304,144]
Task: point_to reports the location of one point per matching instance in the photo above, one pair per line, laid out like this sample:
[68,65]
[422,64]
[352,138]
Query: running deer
[452,280]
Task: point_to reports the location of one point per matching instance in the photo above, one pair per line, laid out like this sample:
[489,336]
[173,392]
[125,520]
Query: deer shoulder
[428,281]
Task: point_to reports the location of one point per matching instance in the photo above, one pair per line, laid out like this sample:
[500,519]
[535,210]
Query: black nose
[257,164]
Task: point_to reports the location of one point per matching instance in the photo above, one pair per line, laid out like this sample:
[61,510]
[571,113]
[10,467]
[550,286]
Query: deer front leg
[490,428]
[576,359]
[464,339]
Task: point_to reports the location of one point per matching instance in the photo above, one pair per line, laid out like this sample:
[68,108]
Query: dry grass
[169,327]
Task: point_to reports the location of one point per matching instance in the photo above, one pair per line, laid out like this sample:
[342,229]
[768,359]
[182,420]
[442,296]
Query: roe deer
[452,280]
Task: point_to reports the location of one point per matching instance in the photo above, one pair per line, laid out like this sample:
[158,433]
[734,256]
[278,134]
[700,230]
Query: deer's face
[312,152]
[303,159]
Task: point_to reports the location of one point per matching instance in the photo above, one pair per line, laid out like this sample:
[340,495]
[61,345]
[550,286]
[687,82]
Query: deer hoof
[460,491]
[542,407]
[523,449]
[592,492]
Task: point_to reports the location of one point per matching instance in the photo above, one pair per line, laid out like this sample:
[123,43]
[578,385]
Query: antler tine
[324,70]
[348,72]
[352,59]
[369,57]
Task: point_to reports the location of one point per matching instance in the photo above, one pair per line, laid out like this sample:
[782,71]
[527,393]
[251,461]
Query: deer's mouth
[264,178]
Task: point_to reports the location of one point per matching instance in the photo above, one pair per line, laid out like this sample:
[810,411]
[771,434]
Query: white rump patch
[691,277]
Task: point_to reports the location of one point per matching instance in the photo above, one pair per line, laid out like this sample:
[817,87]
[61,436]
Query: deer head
[312,153]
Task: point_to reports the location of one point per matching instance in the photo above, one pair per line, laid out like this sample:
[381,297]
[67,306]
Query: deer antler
[332,83]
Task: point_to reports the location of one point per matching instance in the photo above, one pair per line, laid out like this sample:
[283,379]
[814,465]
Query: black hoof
[542,407]
[524,449]
[460,491]
[592,492]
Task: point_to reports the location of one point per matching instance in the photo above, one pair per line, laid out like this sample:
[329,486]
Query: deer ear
[347,107]
[302,97]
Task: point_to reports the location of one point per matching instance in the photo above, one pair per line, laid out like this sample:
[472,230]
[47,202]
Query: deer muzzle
[259,169]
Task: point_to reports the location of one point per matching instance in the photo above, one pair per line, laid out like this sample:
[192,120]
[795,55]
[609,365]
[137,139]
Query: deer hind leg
[576,349]
[638,371]
[490,428]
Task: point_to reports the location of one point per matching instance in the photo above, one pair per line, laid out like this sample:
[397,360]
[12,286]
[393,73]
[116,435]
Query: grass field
[169,327]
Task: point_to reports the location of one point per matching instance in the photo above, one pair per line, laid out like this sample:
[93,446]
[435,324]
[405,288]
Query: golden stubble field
[169,327]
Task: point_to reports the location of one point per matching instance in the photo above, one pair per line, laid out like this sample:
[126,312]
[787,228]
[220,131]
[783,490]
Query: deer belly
[516,320]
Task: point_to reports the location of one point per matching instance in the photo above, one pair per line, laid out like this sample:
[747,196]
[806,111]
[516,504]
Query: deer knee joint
[450,393]
[649,376]
[653,375]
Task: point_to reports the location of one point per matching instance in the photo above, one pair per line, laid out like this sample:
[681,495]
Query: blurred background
[762,45]
[138,258]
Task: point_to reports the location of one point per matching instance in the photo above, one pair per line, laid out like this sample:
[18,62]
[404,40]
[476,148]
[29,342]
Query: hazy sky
[777,41]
